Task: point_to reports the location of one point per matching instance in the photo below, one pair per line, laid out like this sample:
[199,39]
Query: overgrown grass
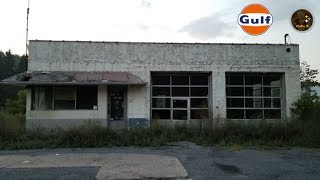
[11,125]
[302,131]
[233,135]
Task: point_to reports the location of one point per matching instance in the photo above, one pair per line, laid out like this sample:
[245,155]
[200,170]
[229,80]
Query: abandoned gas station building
[130,84]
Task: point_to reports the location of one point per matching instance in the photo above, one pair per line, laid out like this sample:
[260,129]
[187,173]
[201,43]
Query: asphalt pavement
[198,161]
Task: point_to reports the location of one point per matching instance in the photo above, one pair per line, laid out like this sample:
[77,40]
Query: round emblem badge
[302,20]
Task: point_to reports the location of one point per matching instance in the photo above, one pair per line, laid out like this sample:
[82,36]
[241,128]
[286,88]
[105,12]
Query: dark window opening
[234,80]
[180,91]
[254,114]
[161,114]
[253,80]
[199,91]
[160,80]
[180,114]
[87,97]
[180,80]
[235,102]
[235,91]
[235,113]
[253,91]
[161,91]
[180,103]
[199,102]
[199,80]
[199,114]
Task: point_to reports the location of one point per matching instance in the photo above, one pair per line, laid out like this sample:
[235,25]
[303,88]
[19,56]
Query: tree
[10,64]
[308,77]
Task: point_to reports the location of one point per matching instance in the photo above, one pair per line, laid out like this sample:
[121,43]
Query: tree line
[10,64]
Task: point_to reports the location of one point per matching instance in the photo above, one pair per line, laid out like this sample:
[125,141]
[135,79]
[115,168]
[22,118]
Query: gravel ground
[200,162]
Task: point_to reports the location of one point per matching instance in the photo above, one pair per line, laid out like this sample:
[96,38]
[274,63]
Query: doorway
[117,107]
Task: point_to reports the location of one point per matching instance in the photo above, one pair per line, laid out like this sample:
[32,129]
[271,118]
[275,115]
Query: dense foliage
[10,64]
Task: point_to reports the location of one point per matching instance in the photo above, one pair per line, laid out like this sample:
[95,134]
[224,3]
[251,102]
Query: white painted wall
[142,58]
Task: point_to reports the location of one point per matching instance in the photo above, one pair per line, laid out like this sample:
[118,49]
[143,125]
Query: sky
[213,21]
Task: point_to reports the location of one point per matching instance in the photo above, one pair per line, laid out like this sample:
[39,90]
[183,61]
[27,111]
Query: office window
[64,97]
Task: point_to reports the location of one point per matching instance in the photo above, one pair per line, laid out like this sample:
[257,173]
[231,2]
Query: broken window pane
[235,114]
[253,80]
[253,91]
[180,114]
[271,91]
[87,97]
[64,97]
[234,80]
[161,102]
[199,114]
[161,91]
[199,80]
[161,114]
[199,91]
[180,91]
[235,102]
[180,103]
[272,102]
[180,80]
[161,80]
[254,114]
[272,114]
[272,80]
[199,102]
[235,91]
[254,102]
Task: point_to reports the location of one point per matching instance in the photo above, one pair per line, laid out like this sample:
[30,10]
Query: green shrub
[11,125]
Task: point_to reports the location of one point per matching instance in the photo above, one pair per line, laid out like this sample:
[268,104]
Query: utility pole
[27,33]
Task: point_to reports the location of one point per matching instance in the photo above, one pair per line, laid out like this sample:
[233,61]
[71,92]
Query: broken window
[64,97]
[161,114]
[253,95]
[87,97]
[161,102]
[180,96]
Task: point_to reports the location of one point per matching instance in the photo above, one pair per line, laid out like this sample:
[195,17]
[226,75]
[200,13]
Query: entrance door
[117,107]
[180,108]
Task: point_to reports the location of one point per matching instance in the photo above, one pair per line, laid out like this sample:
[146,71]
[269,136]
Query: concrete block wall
[141,59]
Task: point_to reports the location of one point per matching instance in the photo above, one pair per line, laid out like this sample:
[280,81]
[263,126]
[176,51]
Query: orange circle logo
[255,19]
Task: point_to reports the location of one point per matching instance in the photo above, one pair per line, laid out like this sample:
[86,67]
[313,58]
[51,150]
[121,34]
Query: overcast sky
[153,20]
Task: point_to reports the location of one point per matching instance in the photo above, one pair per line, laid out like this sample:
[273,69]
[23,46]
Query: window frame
[262,96]
[75,89]
[189,97]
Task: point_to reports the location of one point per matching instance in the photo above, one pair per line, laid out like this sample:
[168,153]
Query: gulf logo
[255,19]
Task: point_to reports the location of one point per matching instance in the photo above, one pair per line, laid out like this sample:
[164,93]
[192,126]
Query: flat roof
[73,78]
[137,42]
